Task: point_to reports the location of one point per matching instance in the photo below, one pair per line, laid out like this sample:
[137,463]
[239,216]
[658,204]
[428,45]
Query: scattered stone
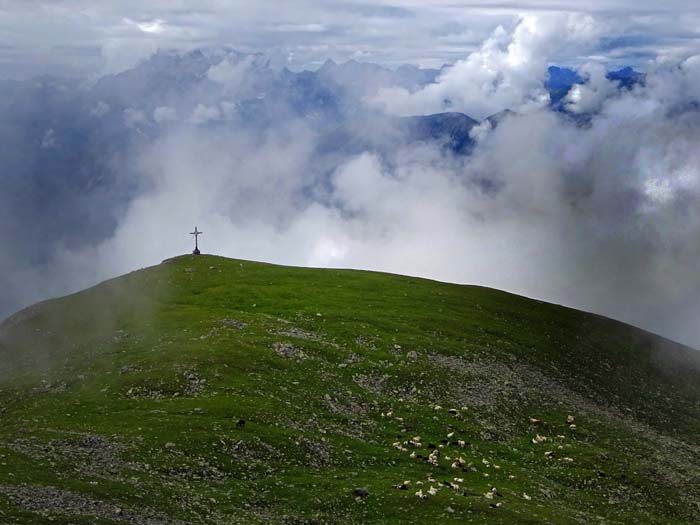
[233,323]
[317,454]
[298,333]
[288,351]
[366,342]
[375,384]
[128,369]
[47,387]
[194,384]
[548,493]
[251,449]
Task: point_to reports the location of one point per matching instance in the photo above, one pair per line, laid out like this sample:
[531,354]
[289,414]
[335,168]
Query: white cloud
[481,131]
[154,26]
[507,72]
[121,53]
[589,97]
[164,115]
[302,28]
[100,109]
[48,141]
[202,114]
[232,72]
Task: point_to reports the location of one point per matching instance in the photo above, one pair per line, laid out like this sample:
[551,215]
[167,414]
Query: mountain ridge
[213,390]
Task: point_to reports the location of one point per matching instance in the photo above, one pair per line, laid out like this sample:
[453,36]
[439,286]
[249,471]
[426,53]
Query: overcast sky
[84,37]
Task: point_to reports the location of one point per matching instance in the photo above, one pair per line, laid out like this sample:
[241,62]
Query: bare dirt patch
[52,501]
[304,335]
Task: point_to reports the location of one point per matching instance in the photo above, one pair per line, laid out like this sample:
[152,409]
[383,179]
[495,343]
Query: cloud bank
[594,207]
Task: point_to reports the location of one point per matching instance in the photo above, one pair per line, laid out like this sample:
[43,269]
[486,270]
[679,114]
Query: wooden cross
[196,234]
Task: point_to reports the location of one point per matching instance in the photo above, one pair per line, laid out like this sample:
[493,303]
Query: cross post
[196,234]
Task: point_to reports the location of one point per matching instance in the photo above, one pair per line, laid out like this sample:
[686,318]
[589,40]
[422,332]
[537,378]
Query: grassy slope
[126,396]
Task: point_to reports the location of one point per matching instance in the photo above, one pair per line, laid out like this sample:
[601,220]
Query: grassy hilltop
[217,391]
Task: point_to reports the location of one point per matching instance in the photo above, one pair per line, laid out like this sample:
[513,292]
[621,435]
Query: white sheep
[433,457]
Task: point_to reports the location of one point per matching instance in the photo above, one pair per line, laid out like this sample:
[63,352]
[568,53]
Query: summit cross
[196,234]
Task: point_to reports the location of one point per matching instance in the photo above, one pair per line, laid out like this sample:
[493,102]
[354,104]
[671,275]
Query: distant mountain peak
[328,65]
